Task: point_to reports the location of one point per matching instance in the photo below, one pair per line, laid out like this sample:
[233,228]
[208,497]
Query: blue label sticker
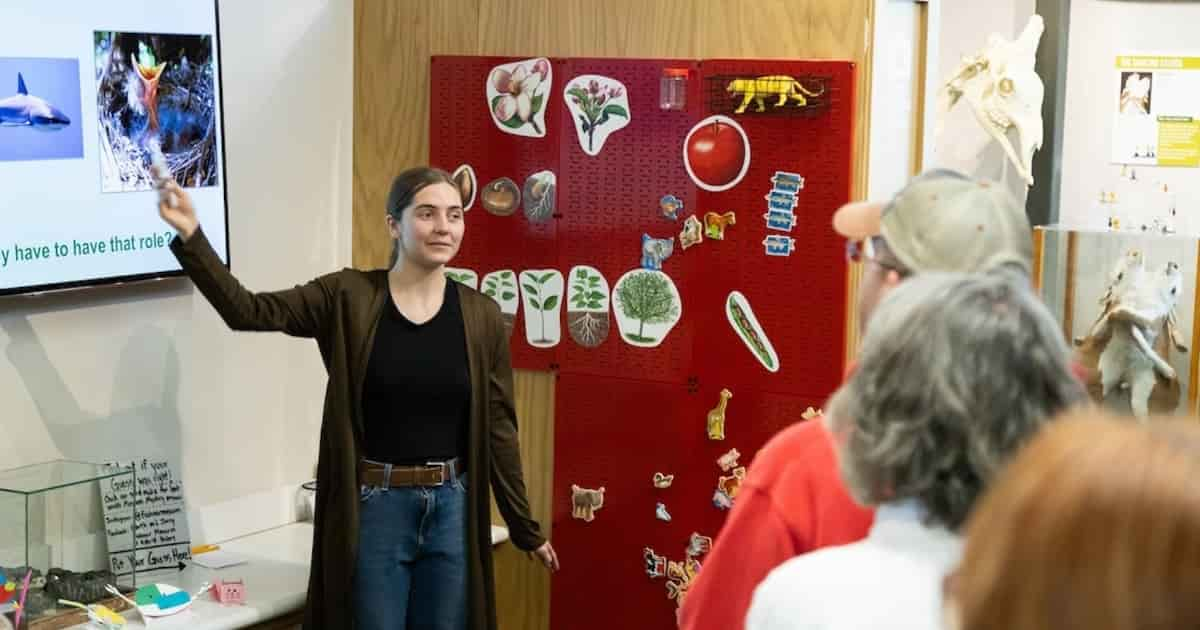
[779,245]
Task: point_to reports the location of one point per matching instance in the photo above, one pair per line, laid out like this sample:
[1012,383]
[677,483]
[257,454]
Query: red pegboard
[620,433]
[800,299]
[611,199]
[623,412]
[461,131]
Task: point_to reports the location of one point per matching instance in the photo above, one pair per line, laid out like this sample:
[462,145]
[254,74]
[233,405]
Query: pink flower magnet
[599,106]
[517,96]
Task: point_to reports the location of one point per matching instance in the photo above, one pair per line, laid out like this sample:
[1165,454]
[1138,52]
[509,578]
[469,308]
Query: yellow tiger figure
[781,86]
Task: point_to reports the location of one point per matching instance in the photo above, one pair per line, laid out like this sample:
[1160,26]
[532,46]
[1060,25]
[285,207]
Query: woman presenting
[418,418]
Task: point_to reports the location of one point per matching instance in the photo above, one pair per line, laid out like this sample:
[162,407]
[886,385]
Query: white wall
[893,104]
[1099,32]
[959,28]
[149,370]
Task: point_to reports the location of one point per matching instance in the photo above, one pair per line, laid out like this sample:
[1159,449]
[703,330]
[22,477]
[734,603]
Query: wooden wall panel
[393,42]
[522,583]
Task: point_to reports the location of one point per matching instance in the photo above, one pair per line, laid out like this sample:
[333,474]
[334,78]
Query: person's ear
[393,225]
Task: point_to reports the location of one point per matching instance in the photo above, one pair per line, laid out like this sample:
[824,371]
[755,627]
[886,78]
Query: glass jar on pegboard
[672,89]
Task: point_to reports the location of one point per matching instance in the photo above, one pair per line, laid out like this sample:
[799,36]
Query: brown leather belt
[374,473]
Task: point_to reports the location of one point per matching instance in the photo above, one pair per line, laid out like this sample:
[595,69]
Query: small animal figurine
[715,224]
[810,413]
[716,417]
[663,481]
[656,565]
[670,206]
[229,591]
[698,545]
[781,87]
[729,460]
[679,579]
[660,512]
[692,232]
[733,483]
[585,502]
[655,251]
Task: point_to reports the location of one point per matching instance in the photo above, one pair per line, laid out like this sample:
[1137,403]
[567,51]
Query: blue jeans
[412,558]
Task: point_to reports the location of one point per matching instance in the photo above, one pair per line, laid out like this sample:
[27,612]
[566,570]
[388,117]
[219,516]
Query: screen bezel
[35,289]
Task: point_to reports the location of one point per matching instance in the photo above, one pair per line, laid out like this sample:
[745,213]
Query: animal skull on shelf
[1004,93]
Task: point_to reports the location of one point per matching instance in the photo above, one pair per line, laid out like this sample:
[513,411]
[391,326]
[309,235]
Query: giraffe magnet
[716,417]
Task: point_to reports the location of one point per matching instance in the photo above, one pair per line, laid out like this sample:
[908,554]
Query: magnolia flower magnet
[599,106]
[516,95]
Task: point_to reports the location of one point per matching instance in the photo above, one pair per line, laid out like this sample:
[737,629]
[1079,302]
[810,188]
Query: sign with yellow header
[1157,110]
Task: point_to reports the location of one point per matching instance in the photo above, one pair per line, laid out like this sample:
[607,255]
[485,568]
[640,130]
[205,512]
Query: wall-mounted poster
[1156,105]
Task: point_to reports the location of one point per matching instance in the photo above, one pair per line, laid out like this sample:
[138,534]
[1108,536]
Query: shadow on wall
[144,418]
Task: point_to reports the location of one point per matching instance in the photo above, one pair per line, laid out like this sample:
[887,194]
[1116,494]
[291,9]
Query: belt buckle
[441,466]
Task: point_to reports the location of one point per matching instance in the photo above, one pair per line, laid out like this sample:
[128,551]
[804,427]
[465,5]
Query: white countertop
[275,574]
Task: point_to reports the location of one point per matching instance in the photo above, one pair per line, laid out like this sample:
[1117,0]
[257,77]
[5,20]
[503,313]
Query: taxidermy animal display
[1142,309]
[780,87]
[1004,92]
[1127,271]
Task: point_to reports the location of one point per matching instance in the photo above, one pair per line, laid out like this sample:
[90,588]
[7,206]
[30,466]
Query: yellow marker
[199,549]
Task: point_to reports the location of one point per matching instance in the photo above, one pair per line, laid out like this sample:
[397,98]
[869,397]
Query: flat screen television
[89,91]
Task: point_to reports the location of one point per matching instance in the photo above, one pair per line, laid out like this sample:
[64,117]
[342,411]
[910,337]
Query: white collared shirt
[891,579]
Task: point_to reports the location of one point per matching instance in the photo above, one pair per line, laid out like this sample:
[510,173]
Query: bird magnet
[662,481]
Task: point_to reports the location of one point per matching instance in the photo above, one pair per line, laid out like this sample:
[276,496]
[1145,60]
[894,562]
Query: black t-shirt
[417,394]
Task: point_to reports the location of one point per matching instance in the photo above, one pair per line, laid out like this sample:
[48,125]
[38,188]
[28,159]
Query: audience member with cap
[793,500]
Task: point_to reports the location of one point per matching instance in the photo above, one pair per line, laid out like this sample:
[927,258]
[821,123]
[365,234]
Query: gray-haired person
[957,372]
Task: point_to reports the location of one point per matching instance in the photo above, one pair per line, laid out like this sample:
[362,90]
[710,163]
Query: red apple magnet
[716,153]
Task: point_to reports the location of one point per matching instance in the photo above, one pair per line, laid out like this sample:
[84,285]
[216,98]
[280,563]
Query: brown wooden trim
[1193,377]
[1039,258]
[918,143]
[1069,289]
[853,279]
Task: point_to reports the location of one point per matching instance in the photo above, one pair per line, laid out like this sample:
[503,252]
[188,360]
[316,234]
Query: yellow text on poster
[1154,62]
[1178,141]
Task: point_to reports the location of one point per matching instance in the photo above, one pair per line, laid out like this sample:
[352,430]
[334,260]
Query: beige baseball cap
[943,220]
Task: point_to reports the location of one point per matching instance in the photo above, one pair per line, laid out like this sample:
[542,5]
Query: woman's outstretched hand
[182,214]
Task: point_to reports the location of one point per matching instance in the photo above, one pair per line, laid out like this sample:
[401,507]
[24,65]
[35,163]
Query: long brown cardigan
[340,310]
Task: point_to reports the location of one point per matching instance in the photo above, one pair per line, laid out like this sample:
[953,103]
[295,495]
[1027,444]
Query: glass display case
[53,529]
[1126,300]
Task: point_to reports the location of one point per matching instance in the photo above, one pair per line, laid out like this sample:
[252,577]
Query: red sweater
[792,501]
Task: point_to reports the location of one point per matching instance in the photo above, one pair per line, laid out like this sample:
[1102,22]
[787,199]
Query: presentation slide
[90,92]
